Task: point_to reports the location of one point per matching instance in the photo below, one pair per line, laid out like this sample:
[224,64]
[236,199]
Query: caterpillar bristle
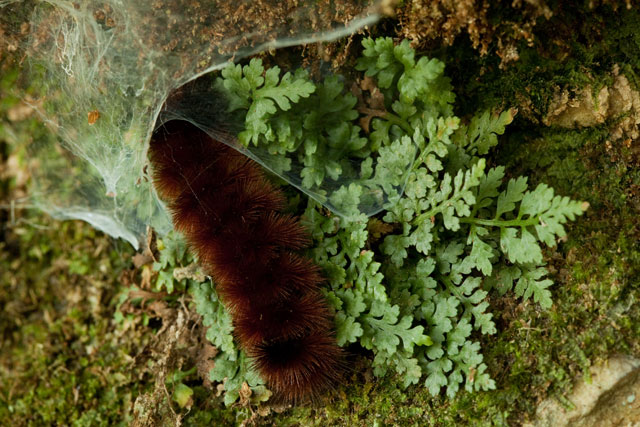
[299,368]
[230,216]
[291,317]
[283,231]
[241,286]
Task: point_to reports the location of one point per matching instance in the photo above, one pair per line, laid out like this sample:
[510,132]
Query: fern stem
[398,121]
[502,223]
[452,288]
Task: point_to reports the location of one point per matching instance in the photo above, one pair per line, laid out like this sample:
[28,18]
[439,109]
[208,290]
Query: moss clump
[580,48]
[64,360]
[487,24]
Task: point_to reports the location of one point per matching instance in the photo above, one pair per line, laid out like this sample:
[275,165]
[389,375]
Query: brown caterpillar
[230,216]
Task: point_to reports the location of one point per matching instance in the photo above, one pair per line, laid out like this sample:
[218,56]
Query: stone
[611,399]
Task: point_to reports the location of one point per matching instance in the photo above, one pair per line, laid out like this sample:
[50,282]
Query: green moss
[65,361]
[576,47]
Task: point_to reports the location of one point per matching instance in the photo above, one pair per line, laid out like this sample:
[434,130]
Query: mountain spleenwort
[411,284]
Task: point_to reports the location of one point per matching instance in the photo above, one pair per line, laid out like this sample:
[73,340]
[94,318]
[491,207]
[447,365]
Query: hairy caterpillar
[230,216]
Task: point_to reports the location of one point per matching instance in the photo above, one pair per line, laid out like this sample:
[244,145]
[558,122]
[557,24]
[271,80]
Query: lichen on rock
[618,103]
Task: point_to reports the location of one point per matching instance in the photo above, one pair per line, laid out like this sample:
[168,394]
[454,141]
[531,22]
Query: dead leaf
[146,276]
[191,271]
[19,113]
[220,389]
[93,116]
[146,295]
[141,259]
[244,394]
[368,83]
[371,105]
[161,309]
[378,229]
[205,362]
[151,247]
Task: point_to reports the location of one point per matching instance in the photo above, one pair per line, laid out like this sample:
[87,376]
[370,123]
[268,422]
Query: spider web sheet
[107,67]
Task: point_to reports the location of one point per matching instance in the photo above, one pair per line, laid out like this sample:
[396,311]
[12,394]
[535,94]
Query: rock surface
[611,399]
[584,109]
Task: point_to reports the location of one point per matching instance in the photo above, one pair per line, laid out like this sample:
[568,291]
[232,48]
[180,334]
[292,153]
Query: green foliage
[231,367]
[173,253]
[257,91]
[417,296]
[313,125]
[406,82]
[317,133]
